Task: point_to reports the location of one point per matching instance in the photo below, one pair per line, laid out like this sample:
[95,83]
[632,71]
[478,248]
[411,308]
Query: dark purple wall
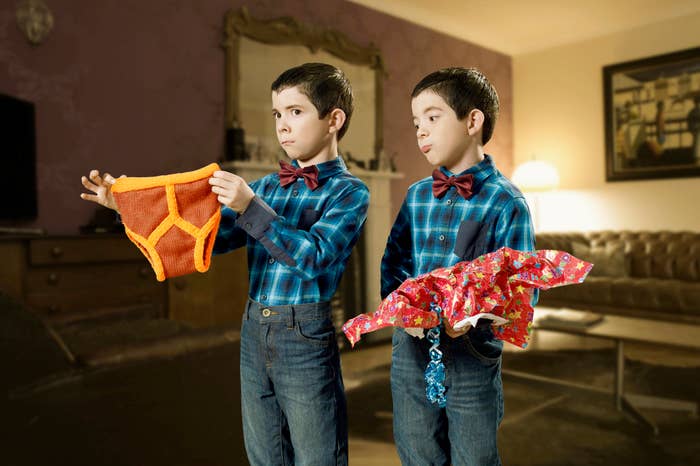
[136,87]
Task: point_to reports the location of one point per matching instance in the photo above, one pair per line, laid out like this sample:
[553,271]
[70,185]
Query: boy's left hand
[232,190]
[452,333]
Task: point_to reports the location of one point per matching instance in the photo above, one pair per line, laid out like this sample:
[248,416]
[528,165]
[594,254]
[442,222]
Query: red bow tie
[289,174]
[442,182]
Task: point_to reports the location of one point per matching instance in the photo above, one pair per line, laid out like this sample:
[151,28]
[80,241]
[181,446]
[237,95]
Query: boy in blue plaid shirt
[466,209]
[299,226]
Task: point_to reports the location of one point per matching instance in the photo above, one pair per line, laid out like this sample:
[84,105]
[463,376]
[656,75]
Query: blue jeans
[292,396]
[464,432]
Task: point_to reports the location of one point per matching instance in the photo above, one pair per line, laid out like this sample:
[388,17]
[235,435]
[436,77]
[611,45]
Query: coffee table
[621,330]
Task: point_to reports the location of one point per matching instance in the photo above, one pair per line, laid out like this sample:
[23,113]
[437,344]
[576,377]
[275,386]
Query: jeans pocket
[318,332]
[398,338]
[481,344]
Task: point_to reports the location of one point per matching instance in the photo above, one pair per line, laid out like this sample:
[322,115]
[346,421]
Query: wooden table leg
[619,374]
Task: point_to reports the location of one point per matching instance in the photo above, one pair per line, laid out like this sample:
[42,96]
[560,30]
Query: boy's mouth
[426,148]
[284,143]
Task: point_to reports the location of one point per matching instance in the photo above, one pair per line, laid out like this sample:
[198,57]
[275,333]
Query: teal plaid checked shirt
[427,230]
[298,240]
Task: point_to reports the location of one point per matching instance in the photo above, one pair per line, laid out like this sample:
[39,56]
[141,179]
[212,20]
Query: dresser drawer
[95,278]
[87,301]
[82,250]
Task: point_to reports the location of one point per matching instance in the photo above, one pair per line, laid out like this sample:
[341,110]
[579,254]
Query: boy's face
[442,138]
[300,132]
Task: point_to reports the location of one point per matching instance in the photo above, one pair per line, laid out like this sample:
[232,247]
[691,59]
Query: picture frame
[652,117]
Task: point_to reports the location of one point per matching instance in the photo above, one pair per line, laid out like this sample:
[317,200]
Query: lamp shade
[535,175]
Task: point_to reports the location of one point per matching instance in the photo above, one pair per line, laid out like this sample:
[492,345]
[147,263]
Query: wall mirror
[257,51]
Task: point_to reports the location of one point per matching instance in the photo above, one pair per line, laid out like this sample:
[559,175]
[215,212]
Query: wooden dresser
[69,278]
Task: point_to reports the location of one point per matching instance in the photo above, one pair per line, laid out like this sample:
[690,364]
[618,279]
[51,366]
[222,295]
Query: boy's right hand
[453,332]
[101,186]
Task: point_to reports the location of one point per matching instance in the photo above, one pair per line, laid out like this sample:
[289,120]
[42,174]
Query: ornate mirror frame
[289,31]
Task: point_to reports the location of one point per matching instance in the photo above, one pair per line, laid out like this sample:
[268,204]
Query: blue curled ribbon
[435,372]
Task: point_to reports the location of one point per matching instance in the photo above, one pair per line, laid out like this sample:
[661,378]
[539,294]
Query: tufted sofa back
[662,254]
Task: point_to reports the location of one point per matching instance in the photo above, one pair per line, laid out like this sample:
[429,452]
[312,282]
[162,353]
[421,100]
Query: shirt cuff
[257,218]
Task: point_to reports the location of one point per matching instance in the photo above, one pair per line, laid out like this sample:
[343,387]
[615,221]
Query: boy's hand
[101,186]
[452,333]
[232,190]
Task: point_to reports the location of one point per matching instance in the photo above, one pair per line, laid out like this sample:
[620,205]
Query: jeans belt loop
[248,303]
[290,319]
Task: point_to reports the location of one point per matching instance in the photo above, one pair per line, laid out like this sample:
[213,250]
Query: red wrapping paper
[497,285]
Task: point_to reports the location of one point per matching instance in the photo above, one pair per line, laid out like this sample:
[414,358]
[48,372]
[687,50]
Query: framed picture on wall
[652,117]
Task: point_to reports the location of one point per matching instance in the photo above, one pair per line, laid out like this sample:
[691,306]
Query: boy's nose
[282,127]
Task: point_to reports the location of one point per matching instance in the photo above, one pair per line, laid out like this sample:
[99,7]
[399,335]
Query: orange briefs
[173,219]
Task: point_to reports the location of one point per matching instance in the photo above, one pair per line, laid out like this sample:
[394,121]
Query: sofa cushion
[593,290]
[690,298]
[647,293]
[665,298]
[608,260]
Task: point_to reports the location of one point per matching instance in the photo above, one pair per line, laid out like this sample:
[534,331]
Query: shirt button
[263,297]
[449,201]
[442,237]
[247,226]
[271,261]
[266,312]
[295,193]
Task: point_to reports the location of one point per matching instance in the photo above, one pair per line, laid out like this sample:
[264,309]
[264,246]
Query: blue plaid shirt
[425,234]
[299,240]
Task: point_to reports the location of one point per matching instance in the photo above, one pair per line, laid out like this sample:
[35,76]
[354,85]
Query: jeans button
[442,237]
[271,260]
[266,312]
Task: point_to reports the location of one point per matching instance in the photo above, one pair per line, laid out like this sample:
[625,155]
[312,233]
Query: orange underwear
[173,219]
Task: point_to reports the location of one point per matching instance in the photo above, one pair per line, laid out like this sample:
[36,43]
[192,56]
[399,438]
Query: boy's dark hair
[325,85]
[464,89]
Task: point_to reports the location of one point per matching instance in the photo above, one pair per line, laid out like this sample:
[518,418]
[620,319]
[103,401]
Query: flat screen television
[18,194]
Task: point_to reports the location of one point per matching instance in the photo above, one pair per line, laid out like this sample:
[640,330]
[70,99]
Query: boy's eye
[296,111]
[275,115]
[432,118]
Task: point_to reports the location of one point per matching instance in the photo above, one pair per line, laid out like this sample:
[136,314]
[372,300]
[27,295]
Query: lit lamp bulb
[536,175]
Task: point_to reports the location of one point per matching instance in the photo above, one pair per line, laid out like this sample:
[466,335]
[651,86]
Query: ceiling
[515,27]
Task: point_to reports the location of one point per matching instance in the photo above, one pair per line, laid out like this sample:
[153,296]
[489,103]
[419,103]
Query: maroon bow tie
[289,174]
[442,182]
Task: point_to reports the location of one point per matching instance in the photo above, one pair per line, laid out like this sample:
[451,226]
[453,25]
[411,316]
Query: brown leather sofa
[653,275]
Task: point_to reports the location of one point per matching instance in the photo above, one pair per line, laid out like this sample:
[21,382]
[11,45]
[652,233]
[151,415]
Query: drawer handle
[180,283]
[56,251]
[53,309]
[52,279]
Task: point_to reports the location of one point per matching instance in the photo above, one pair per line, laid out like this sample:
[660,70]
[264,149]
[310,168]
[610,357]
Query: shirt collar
[481,171]
[329,168]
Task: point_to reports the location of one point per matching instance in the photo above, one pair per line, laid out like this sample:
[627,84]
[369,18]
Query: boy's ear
[475,121]
[336,120]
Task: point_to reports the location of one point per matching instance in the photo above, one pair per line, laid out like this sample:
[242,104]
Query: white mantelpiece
[377,227]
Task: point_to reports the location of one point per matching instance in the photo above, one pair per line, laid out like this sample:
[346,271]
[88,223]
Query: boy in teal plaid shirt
[466,209]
